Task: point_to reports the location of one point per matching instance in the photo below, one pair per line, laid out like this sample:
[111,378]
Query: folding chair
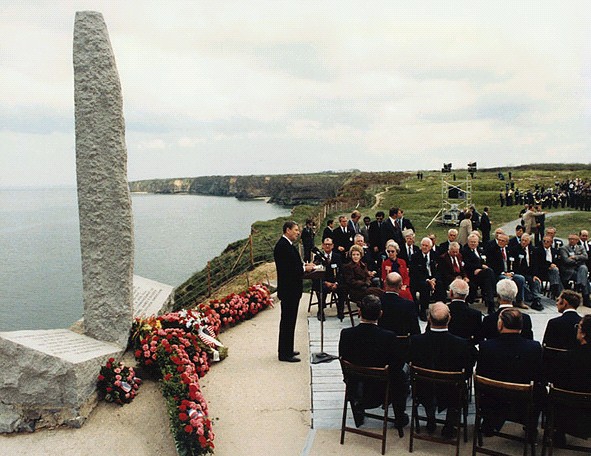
[422,378]
[353,374]
[571,402]
[486,389]
[349,311]
[551,360]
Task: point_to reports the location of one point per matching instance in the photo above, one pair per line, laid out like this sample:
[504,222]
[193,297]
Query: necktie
[504,259]
[549,255]
[476,253]
[456,265]
[428,265]
[409,252]
[527,257]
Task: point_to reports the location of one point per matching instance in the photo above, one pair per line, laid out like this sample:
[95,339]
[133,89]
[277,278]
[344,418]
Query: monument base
[49,378]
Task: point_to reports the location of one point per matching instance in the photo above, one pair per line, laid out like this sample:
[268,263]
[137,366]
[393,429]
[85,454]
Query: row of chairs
[456,381]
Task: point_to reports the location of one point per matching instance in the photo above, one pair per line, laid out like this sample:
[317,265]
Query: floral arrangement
[180,347]
[117,383]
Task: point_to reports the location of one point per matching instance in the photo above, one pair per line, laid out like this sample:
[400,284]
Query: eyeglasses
[391,251]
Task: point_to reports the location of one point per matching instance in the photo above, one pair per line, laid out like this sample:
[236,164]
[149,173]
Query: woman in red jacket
[395,264]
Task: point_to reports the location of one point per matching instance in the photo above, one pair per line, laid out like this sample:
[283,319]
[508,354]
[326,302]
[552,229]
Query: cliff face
[288,189]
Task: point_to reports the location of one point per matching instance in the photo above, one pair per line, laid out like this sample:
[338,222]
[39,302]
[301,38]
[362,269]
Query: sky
[304,86]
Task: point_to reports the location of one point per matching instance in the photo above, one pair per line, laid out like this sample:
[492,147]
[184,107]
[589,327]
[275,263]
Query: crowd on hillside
[569,193]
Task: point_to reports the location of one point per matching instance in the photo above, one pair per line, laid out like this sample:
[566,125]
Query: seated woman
[357,276]
[395,264]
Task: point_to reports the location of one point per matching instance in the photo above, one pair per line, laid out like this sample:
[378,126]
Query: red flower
[183,416]
[188,428]
[111,360]
[167,377]
[202,441]
[101,377]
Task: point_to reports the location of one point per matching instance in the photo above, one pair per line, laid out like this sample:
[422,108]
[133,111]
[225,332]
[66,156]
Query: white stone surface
[104,203]
[150,297]
[49,377]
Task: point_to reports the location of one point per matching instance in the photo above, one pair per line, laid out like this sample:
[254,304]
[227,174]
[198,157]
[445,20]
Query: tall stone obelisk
[104,203]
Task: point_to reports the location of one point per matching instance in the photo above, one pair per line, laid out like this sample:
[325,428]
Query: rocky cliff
[288,189]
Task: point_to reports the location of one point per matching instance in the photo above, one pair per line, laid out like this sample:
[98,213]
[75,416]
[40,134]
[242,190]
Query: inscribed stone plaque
[62,343]
[150,297]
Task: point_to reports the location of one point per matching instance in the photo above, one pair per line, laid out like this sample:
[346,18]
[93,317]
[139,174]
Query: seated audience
[399,314]
[452,236]
[371,346]
[395,264]
[561,332]
[438,349]
[506,290]
[451,265]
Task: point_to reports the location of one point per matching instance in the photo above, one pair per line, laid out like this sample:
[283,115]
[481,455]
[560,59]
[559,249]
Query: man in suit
[364,230]
[327,233]
[515,241]
[290,271]
[465,322]
[546,260]
[375,234]
[451,265]
[343,236]
[452,236]
[479,274]
[556,243]
[523,264]
[399,314]
[408,248]
[353,223]
[561,331]
[371,346]
[511,358]
[391,229]
[439,349]
[423,275]
[404,223]
[501,262]
[333,276]
[584,241]
[507,290]
[573,266]
[485,225]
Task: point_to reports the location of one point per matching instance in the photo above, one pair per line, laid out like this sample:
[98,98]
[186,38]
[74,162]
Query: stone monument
[49,376]
[104,204]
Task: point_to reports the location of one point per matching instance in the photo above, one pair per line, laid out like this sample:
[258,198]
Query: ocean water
[40,266]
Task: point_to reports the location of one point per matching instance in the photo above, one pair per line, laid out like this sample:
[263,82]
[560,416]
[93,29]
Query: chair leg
[344,421]
[413,417]
[350,312]
[477,438]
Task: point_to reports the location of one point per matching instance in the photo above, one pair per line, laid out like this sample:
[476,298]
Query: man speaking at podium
[290,271]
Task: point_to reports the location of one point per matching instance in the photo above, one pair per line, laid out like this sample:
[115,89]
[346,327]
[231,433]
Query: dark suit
[494,259]
[327,233]
[485,279]
[446,269]
[485,227]
[342,239]
[375,236]
[465,322]
[443,351]
[391,231]
[406,224]
[399,315]
[419,274]
[490,330]
[510,358]
[369,345]
[575,375]
[290,272]
[528,271]
[561,331]
[404,252]
[542,266]
[333,274]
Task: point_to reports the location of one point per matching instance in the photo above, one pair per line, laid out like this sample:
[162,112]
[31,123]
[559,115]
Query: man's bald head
[393,281]
[439,315]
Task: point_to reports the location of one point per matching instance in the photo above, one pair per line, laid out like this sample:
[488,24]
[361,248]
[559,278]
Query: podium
[320,357]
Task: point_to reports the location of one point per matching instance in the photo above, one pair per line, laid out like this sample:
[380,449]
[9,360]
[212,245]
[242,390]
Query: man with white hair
[506,290]
[423,275]
[479,274]
[523,255]
[452,236]
[465,322]
[408,248]
[574,266]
